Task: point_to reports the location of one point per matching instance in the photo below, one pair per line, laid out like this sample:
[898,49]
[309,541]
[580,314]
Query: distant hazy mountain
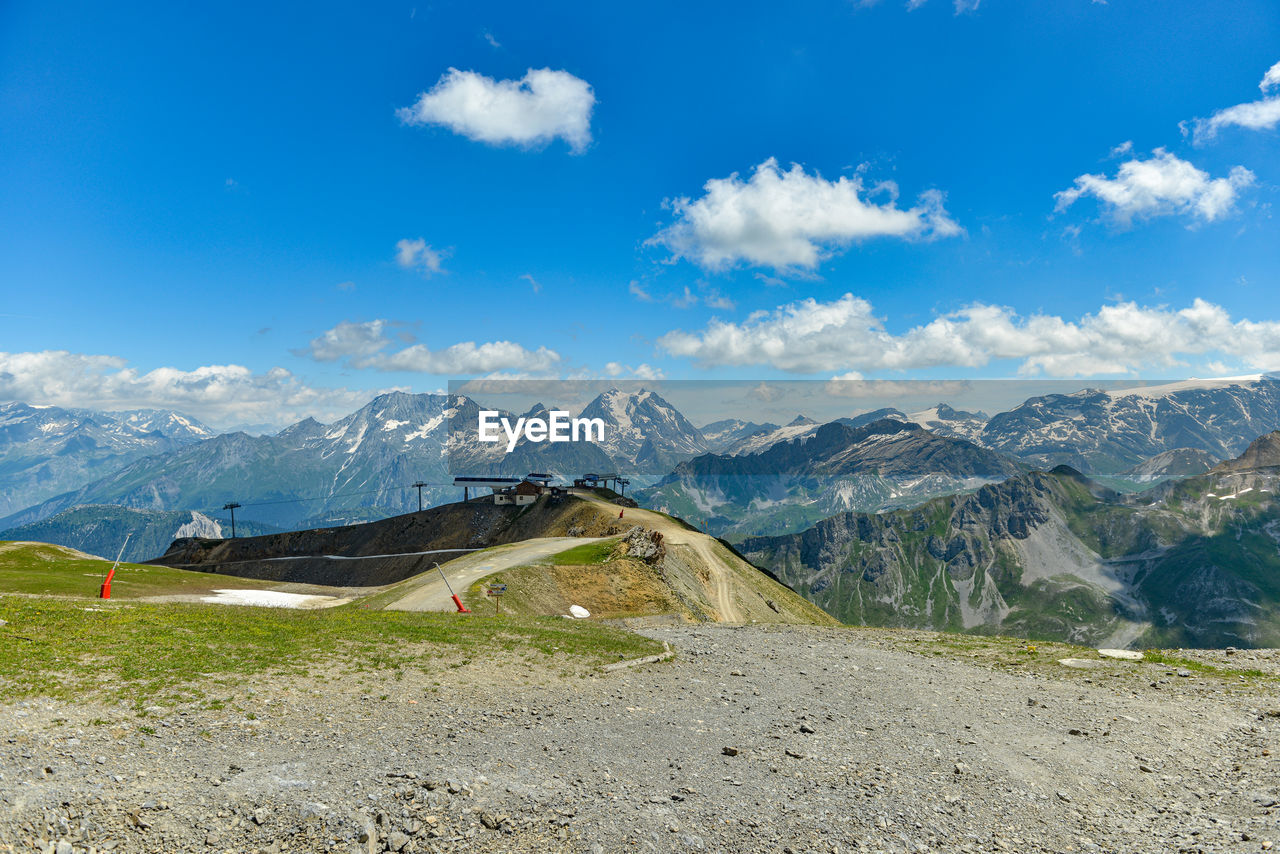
[101,530]
[724,434]
[1107,432]
[829,468]
[47,450]
[1192,562]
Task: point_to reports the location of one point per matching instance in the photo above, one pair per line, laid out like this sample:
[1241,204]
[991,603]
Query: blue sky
[248,214]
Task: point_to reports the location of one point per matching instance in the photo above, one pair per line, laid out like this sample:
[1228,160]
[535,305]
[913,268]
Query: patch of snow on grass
[270,599]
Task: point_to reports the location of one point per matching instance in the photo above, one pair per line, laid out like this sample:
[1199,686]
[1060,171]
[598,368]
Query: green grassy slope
[47,570]
[143,652]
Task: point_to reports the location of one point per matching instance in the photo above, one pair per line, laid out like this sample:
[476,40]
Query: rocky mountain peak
[1263,452]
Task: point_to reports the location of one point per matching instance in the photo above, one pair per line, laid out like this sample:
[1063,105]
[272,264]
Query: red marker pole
[462,609]
[105,591]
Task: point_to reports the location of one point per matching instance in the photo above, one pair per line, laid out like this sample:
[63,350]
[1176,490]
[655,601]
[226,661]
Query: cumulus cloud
[221,395]
[1262,114]
[790,219]
[1163,185]
[534,110]
[418,255]
[347,340]
[1271,80]
[845,335]
[365,346]
[642,371]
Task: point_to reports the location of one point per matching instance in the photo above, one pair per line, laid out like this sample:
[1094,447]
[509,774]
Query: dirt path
[427,592]
[675,533]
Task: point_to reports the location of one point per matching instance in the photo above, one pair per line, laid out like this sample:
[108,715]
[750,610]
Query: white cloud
[845,335]
[542,105]
[417,254]
[1271,80]
[638,291]
[1164,185]
[465,358]
[1262,114]
[220,395]
[640,372]
[792,219]
[348,340]
[533,283]
[364,346]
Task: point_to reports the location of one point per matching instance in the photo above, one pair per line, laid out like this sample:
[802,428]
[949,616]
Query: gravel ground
[752,739]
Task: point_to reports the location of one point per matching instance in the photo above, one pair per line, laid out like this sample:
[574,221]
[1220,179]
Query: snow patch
[427,428]
[271,599]
[1185,385]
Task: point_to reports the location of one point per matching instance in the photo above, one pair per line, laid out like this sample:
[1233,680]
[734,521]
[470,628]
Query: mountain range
[361,467]
[1192,562]
[1107,432]
[47,450]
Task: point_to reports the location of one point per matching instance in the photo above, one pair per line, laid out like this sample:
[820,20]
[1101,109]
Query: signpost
[495,592]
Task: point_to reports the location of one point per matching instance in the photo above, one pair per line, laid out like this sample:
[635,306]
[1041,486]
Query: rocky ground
[751,739]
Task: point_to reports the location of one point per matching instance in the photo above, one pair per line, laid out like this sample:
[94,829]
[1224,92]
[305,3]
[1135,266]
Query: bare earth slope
[737,591]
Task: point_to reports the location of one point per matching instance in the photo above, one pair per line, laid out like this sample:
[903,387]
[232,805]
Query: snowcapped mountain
[724,434]
[1106,432]
[46,450]
[755,443]
[801,428]
[174,425]
[644,431]
[957,423]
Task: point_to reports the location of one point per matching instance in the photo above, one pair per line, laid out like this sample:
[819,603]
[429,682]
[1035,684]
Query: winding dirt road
[427,592]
